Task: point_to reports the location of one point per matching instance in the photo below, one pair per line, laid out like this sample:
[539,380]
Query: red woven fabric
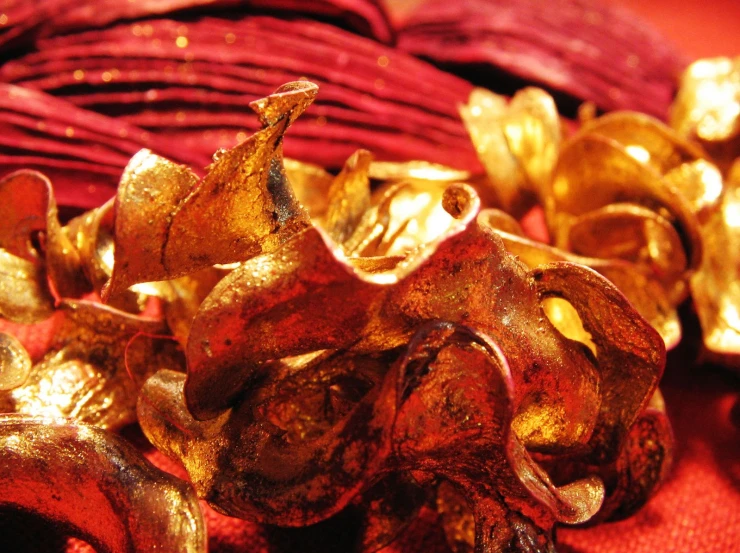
[697,510]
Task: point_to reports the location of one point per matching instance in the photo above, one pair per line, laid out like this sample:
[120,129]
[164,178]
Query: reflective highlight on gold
[707,107]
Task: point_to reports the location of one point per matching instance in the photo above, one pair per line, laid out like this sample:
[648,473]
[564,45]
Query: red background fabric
[696,511]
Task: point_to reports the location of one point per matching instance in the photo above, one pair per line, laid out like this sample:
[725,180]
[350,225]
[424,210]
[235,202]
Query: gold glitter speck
[383,61]
[78,75]
[181,42]
[69,132]
[230,38]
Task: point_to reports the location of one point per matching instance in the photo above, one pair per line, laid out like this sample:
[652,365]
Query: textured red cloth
[697,510]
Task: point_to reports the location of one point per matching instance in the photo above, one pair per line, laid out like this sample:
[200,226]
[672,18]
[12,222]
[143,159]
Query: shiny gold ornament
[707,107]
[625,188]
[98,360]
[396,346]
[96,486]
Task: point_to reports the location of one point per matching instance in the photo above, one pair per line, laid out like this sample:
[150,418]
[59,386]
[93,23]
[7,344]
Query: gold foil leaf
[517,143]
[168,223]
[15,363]
[97,487]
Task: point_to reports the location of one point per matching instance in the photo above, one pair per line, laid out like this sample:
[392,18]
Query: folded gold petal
[533,133]
[98,360]
[310,184]
[95,486]
[416,170]
[15,363]
[635,234]
[24,291]
[707,107]
[630,354]
[30,211]
[349,197]
[594,171]
[168,223]
[485,116]
[404,215]
[716,285]
[455,402]
[638,284]
[646,139]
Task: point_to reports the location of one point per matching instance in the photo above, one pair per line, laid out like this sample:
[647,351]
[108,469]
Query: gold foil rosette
[373,340]
[641,203]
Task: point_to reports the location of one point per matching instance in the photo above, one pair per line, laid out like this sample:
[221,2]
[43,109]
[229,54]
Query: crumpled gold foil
[381,338]
[628,189]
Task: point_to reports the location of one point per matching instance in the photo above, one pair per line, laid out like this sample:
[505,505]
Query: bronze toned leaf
[637,283]
[169,224]
[96,486]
